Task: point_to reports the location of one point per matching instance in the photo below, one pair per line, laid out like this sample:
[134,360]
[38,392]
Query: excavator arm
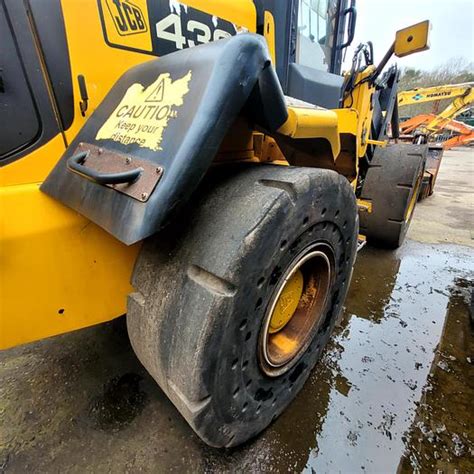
[458,105]
[462,95]
[430,94]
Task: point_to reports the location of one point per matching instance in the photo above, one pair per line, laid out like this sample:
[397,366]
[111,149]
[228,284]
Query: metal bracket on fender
[171,115]
[131,176]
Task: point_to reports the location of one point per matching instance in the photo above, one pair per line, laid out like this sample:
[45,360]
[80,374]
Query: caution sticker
[143,114]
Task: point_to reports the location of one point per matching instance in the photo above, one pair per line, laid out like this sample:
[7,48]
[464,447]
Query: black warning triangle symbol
[157,93]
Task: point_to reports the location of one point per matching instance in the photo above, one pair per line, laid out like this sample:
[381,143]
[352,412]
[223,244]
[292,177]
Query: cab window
[316,33]
[18,116]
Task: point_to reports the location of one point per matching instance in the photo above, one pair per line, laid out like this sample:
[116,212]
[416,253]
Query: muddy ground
[394,390]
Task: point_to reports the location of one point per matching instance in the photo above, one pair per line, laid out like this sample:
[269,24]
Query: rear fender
[164,120]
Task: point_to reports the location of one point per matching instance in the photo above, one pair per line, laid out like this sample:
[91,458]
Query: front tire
[199,317]
[392,184]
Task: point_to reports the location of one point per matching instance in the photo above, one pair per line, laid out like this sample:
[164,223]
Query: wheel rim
[296,309]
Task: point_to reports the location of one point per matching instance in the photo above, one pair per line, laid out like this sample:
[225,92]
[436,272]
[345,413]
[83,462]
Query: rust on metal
[107,161]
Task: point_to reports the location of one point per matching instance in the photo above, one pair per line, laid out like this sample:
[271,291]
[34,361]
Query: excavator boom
[421,95]
[429,124]
[458,105]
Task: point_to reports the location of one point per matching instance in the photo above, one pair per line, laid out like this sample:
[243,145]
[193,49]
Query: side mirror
[412,39]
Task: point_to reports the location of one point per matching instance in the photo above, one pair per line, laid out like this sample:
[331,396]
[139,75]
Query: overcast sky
[451,34]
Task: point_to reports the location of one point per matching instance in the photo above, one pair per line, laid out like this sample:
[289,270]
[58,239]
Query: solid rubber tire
[389,185]
[203,285]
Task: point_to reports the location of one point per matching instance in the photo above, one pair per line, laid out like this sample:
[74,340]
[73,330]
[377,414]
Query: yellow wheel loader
[200,166]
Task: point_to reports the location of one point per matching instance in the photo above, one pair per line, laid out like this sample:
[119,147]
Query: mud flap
[433,163]
[149,143]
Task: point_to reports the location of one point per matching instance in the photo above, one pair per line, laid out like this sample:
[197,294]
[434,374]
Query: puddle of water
[441,435]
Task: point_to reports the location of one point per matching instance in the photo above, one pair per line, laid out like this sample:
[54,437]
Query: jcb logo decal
[126,24]
[127,17]
[169,25]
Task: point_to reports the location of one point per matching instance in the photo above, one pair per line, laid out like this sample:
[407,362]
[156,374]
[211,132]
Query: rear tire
[203,289]
[392,184]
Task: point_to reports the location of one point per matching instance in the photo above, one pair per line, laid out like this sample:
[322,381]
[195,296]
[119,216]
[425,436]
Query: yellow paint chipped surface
[287,302]
[144,113]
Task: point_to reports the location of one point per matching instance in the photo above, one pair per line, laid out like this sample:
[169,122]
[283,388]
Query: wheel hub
[296,309]
[287,302]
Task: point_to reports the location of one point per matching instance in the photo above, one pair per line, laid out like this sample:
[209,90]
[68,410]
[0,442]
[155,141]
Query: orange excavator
[461,133]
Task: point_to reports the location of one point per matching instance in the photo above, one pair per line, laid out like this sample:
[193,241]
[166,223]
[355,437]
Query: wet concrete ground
[393,391]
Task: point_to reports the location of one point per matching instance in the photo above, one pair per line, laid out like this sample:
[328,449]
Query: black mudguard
[188,100]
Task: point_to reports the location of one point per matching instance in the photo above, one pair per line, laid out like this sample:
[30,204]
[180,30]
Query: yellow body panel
[347,120]
[269,33]
[305,122]
[34,167]
[239,12]
[60,272]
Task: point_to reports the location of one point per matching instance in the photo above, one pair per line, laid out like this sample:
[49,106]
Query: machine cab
[308,55]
